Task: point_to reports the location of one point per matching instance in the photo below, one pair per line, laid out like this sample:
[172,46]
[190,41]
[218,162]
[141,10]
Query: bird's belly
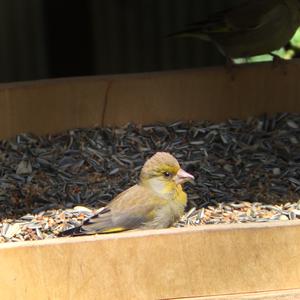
[165,216]
[255,42]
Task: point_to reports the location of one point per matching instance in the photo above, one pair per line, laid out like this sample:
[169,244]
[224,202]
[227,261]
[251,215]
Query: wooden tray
[249,261]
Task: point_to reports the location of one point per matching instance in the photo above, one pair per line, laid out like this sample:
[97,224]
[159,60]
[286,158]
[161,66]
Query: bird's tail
[76,231]
[80,230]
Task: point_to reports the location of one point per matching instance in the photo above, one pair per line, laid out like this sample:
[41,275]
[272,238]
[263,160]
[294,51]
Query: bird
[252,28]
[156,201]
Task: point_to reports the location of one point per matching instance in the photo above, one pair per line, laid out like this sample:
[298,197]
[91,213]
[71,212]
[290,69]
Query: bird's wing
[129,210]
[250,15]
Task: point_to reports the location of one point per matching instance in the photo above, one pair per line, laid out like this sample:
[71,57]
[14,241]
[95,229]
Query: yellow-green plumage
[157,201]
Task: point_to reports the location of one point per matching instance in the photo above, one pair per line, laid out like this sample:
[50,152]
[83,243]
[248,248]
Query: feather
[255,27]
[156,202]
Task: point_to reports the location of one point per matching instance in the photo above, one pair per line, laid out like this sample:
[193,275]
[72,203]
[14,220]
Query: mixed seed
[246,171]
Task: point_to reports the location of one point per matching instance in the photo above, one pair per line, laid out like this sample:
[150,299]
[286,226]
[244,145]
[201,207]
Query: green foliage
[295,41]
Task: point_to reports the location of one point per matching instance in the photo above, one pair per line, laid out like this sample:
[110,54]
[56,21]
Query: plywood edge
[50,106]
[273,295]
[212,260]
[133,234]
[212,94]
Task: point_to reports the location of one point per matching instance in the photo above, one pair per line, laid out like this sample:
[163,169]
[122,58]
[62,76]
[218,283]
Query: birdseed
[246,171]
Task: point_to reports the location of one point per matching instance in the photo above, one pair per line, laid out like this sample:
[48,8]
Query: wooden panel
[158,264]
[51,105]
[55,105]
[206,94]
[275,295]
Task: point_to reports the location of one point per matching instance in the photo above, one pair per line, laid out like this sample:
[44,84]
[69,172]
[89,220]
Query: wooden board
[275,295]
[49,106]
[157,264]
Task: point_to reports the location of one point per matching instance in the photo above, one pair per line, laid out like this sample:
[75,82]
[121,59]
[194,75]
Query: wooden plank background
[156,264]
[49,106]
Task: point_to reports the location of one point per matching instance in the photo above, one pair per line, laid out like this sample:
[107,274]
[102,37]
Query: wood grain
[50,106]
[158,264]
[205,94]
[274,295]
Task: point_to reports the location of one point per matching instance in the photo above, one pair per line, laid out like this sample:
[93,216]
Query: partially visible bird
[157,201]
[253,28]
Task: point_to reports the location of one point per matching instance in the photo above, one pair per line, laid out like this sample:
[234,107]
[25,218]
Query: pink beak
[183,176]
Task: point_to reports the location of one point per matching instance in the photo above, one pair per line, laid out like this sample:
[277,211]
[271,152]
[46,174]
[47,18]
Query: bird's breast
[167,214]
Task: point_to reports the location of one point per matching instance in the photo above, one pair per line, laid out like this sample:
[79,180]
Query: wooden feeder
[247,261]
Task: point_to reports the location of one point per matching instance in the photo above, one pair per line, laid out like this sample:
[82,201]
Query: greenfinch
[157,201]
[253,28]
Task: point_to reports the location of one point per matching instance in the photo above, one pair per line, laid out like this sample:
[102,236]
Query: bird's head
[163,174]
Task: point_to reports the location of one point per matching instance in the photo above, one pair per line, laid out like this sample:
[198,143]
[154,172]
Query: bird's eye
[167,174]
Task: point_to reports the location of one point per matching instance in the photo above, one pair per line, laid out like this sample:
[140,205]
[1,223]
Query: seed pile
[251,164]
[241,212]
[48,224]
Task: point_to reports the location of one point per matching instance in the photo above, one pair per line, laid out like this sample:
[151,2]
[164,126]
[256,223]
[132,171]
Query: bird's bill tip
[183,176]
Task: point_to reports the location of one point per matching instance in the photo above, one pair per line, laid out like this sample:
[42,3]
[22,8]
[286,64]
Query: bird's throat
[167,190]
